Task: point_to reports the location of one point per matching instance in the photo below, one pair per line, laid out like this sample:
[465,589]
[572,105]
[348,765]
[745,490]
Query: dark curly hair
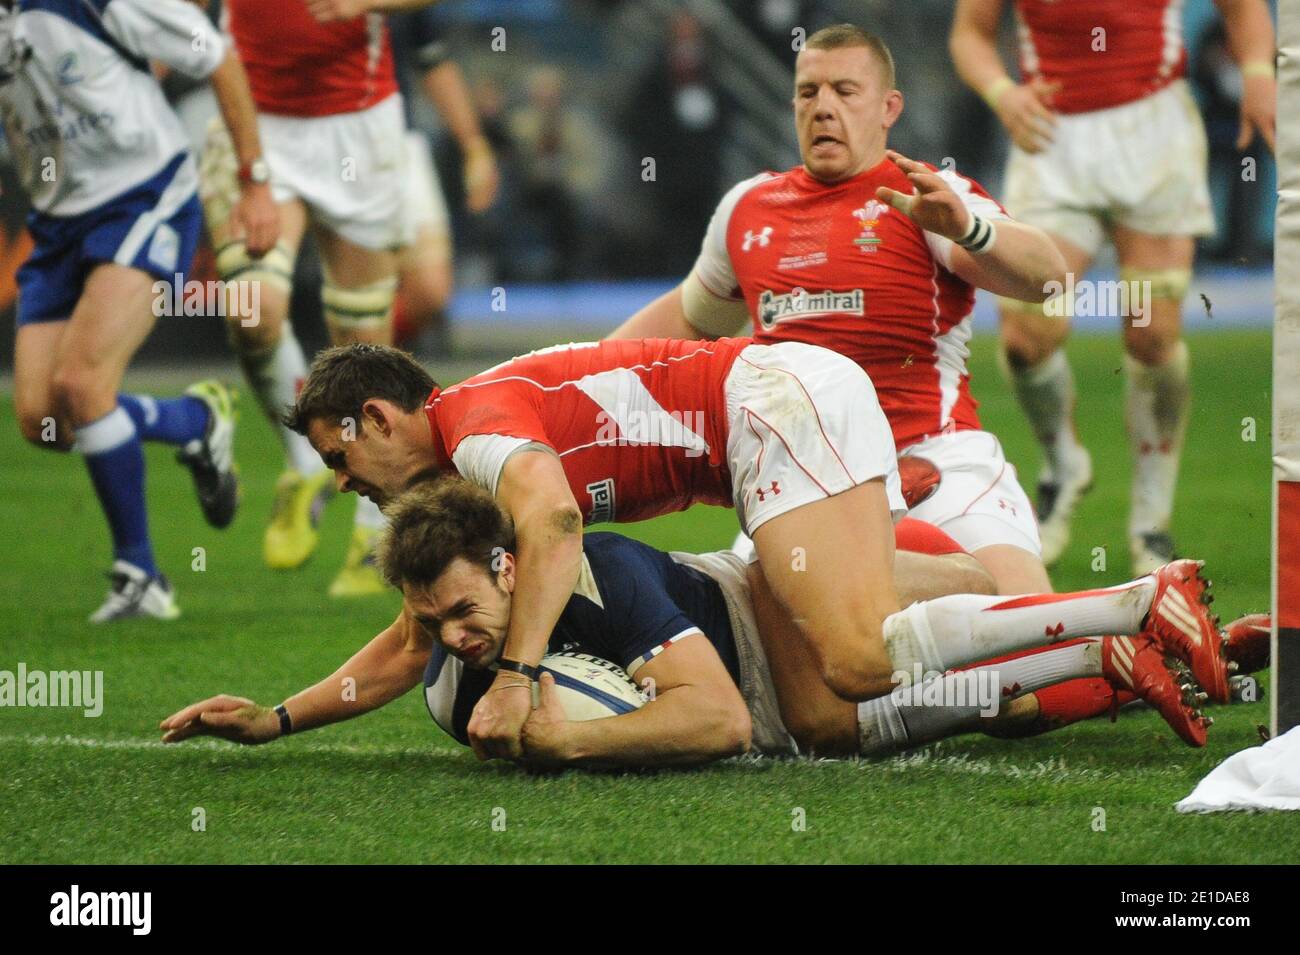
[435,522]
[345,377]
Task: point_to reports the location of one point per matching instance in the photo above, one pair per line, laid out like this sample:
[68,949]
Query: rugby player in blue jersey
[685,626]
[106,165]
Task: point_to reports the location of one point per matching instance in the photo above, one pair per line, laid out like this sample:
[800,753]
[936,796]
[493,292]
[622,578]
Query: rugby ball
[590,688]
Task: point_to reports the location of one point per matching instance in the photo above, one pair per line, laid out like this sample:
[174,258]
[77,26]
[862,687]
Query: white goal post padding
[1285,705]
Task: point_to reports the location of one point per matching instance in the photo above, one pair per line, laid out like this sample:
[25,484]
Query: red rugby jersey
[640,425]
[1103,52]
[831,265]
[299,67]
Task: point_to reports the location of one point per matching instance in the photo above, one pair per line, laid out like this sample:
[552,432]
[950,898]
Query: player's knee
[1148,346]
[819,736]
[39,426]
[1024,347]
[969,576]
[857,676]
[424,293]
[79,392]
[251,337]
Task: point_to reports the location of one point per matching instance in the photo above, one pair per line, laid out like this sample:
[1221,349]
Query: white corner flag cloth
[1262,777]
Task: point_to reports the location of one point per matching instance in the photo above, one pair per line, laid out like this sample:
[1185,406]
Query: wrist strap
[1259,68]
[286,722]
[979,237]
[514,666]
[993,92]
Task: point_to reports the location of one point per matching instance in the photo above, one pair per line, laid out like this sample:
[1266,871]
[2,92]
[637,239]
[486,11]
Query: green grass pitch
[389,787]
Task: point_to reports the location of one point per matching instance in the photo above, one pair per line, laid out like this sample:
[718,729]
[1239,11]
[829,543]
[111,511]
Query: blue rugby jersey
[631,603]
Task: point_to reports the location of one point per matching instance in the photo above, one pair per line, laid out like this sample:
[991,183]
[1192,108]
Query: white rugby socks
[275,374]
[1046,395]
[1157,407]
[952,703]
[961,629]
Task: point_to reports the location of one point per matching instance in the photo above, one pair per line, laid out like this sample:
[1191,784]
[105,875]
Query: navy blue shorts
[150,228]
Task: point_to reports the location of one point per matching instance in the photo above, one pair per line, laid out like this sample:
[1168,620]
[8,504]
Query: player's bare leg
[36,351]
[818,560]
[357,295]
[423,290]
[274,366]
[921,576]
[1157,384]
[1040,375]
[268,351]
[111,320]
[821,722]
[1014,569]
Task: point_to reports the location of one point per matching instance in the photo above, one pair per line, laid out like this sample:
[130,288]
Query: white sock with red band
[275,374]
[961,629]
[955,702]
[1157,405]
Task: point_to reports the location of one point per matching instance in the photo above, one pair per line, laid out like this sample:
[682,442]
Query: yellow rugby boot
[291,536]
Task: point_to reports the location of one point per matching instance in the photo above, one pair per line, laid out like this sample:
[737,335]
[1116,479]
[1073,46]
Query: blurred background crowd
[618,124]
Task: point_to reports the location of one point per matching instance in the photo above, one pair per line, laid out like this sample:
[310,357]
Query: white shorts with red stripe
[805,425]
[979,501]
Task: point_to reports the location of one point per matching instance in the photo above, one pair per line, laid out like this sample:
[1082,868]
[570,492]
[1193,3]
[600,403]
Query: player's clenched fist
[229,717]
[327,11]
[934,206]
[498,718]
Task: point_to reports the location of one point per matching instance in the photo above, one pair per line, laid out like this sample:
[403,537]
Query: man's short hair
[433,523]
[344,378]
[848,35]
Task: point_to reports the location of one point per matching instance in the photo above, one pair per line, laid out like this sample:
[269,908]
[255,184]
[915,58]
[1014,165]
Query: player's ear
[506,575]
[893,108]
[379,415]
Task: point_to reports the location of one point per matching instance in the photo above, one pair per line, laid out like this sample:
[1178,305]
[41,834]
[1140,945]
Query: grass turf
[390,788]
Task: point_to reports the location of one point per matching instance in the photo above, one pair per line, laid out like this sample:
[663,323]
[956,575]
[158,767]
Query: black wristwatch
[514,666]
[286,723]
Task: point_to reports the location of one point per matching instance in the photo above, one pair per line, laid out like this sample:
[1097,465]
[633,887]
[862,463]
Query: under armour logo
[773,490]
[763,239]
[1054,631]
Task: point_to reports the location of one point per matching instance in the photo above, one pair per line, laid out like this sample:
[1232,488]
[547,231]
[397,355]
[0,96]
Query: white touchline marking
[1052,769]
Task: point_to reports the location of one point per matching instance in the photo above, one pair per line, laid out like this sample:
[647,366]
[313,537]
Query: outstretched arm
[384,669]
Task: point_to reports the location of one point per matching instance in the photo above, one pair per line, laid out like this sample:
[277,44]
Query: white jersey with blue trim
[82,112]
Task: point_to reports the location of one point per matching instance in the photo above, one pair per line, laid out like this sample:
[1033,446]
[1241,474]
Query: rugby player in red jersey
[877,257]
[334,133]
[682,624]
[790,434]
[1107,145]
